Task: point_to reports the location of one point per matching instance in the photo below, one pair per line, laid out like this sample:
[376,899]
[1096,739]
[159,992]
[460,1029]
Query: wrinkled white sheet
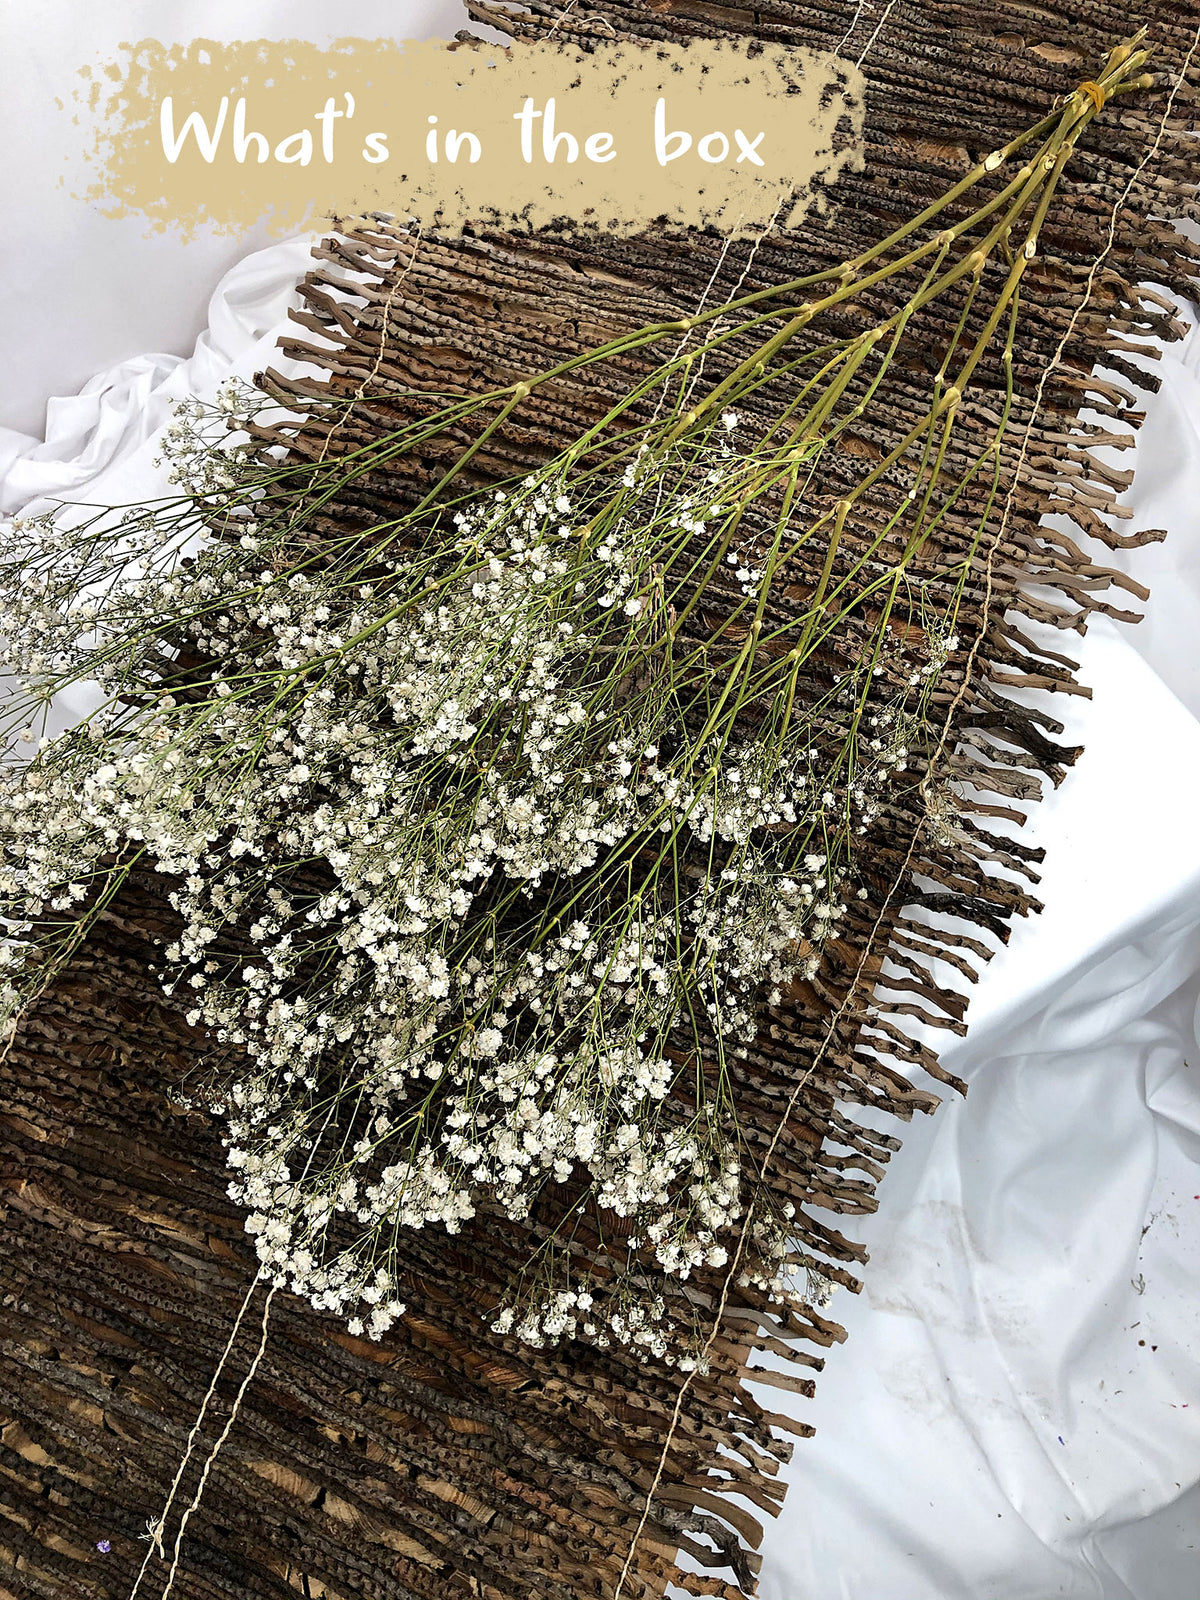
[84,289]
[99,443]
[1016,1414]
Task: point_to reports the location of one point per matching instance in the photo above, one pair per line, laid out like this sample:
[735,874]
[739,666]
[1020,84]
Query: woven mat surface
[447,1461]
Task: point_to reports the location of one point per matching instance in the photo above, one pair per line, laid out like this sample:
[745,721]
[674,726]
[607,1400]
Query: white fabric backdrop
[1016,1414]
[81,290]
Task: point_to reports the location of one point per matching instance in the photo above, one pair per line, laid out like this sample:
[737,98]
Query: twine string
[158,1527]
[866,50]
[763,232]
[854,22]
[216,1449]
[389,300]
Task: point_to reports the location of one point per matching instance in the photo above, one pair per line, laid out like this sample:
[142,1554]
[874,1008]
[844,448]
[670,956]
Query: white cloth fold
[119,410]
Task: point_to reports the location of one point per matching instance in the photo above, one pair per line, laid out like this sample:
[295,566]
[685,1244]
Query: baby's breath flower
[469,876]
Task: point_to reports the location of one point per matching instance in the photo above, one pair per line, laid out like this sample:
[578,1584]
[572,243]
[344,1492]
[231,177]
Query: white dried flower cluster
[204,460]
[940,644]
[53,595]
[459,882]
[883,753]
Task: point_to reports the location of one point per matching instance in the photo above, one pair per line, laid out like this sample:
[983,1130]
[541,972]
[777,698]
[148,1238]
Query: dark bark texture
[447,1462]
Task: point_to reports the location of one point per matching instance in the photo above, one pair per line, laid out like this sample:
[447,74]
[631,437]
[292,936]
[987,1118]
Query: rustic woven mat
[447,1462]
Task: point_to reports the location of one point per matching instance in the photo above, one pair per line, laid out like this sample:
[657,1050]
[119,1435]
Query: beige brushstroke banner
[704,133]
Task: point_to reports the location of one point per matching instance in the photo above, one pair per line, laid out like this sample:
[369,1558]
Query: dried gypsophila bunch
[485,751]
[485,856]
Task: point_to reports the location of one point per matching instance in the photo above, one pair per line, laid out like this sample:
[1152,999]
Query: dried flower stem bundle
[490,827]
